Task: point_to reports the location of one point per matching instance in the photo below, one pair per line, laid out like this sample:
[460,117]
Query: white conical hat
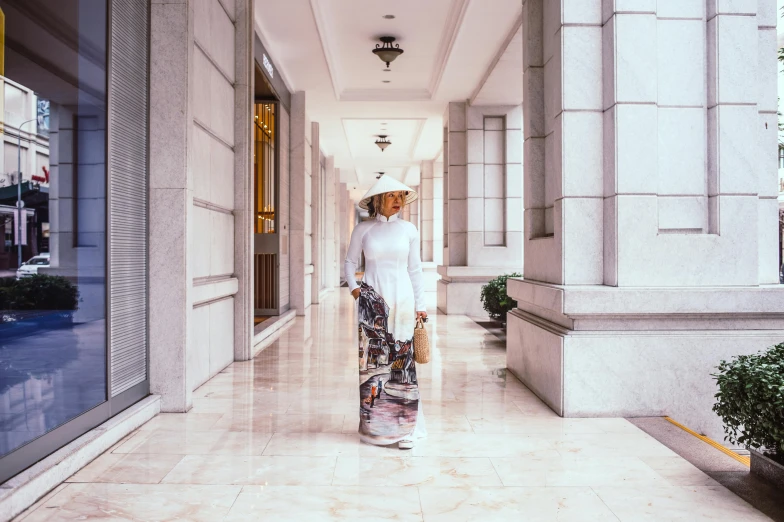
[387,184]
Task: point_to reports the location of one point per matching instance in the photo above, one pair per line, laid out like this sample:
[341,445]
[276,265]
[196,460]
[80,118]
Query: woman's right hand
[355,293]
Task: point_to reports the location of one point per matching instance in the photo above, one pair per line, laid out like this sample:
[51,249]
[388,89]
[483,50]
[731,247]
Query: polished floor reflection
[275,439]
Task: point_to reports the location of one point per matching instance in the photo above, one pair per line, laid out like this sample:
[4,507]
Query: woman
[390,301]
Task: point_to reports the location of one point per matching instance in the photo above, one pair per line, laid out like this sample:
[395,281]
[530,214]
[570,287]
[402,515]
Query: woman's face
[392,202]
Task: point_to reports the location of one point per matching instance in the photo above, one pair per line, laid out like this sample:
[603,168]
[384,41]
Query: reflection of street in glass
[49,378]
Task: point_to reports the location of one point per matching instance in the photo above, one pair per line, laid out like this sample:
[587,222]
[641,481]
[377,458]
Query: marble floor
[275,439]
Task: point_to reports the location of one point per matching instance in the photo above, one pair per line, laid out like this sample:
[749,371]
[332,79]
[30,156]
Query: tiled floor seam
[596,493]
[163,479]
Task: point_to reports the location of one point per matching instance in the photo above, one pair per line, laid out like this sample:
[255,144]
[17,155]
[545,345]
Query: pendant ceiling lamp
[379,175]
[385,51]
[383,142]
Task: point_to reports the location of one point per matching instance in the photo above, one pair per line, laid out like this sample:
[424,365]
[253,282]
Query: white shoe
[405,444]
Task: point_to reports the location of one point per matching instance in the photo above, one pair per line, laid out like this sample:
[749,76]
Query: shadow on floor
[495,328]
[720,467]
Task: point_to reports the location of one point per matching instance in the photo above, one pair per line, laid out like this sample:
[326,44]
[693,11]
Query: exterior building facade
[189,197]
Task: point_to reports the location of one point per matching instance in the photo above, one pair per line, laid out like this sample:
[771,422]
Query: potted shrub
[495,301]
[750,401]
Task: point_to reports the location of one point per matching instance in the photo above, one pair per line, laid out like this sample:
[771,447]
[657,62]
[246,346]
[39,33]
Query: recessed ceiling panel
[353,29]
[362,134]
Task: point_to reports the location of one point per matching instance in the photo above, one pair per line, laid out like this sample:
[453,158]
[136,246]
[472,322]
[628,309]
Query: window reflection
[52,216]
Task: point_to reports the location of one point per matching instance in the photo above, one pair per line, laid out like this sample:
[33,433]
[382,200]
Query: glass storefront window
[53,187]
[264,167]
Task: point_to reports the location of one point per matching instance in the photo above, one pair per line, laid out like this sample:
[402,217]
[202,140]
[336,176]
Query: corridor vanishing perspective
[275,438]
[591,190]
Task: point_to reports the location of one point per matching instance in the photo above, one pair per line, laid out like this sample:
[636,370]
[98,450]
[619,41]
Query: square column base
[460,288]
[585,358]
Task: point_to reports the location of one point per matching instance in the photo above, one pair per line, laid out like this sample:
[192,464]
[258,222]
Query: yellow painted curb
[743,460]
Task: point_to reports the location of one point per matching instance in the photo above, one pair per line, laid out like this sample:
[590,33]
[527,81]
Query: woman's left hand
[423,315]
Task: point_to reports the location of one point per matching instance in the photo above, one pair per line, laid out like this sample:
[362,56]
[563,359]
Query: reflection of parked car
[32,265]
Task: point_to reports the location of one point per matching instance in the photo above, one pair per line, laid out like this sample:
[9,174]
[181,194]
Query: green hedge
[494,298]
[38,292]
[750,400]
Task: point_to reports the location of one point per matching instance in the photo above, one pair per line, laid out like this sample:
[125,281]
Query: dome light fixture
[383,142]
[385,51]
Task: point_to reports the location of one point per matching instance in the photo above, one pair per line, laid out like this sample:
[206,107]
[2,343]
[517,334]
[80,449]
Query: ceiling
[453,50]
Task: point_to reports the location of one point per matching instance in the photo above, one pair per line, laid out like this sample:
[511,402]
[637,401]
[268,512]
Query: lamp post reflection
[19,192]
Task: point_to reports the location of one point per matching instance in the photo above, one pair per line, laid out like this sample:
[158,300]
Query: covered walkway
[274,439]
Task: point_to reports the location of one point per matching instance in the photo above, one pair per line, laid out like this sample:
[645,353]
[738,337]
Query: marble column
[431,212]
[426,193]
[243,180]
[346,215]
[650,210]
[483,190]
[437,257]
[171,203]
[316,203]
[330,255]
[300,261]
[413,210]
[338,224]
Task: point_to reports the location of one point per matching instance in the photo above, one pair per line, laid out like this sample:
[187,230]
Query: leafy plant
[750,401]
[494,298]
[39,292]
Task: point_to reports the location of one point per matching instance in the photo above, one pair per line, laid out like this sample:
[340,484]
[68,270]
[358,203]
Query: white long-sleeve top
[393,268]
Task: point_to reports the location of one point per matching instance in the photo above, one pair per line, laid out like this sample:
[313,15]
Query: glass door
[266,241]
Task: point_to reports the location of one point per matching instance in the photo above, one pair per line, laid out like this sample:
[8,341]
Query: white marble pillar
[346,214]
[426,196]
[338,213]
[243,180]
[316,203]
[649,201]
[413,210]
[171,203]
[438,214]
[330,254]
[301,267]
[431,212]
[483,187]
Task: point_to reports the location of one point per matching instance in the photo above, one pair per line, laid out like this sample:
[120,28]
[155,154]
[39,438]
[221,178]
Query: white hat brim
[387,184]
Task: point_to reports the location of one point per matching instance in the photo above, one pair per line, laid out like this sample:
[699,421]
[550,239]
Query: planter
[768,469]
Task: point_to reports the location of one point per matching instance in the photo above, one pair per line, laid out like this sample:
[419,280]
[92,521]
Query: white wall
[199,90]
[212,236]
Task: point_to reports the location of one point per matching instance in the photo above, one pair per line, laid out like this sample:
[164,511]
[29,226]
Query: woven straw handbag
[421,343]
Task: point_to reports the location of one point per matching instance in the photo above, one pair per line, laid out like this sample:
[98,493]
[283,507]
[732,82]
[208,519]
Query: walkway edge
[266,336]
[743,460]
[23,490]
